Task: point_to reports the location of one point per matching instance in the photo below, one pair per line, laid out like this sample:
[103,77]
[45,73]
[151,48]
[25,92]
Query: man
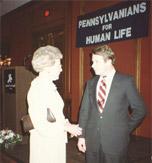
[103,114]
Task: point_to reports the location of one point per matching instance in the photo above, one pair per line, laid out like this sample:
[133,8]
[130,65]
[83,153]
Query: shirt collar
[110,74]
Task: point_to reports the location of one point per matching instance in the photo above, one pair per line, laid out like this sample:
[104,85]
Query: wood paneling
[20,39]
[19,26]
[126,53]
[56,13]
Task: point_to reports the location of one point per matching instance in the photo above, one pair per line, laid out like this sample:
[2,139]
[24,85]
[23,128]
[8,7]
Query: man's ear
[109,61]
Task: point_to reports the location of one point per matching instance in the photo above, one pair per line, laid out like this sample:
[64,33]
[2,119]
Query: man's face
[99,66]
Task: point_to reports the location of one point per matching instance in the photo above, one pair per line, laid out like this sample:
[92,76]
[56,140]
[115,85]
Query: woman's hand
[73,129]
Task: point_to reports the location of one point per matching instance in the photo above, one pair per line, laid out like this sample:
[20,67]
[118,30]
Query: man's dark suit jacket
[114,125]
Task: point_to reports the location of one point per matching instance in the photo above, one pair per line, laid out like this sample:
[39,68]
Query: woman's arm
[73,129]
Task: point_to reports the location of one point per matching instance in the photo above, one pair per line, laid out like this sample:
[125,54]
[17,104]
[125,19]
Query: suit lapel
[94,88]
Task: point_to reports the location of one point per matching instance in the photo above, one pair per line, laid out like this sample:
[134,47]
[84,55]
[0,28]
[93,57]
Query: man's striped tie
[101,94]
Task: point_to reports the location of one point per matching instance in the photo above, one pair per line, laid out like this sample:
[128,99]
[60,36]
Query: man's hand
[81,145]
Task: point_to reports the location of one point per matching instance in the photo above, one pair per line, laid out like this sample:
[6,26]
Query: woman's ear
[46,70]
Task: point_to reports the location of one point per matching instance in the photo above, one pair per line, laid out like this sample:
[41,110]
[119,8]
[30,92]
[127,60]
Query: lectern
[15,84]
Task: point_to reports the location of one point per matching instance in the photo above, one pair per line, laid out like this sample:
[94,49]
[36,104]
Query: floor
[140,152]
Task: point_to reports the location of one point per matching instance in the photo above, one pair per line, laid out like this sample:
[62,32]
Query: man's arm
[83,118]
[138,108]
[84,111]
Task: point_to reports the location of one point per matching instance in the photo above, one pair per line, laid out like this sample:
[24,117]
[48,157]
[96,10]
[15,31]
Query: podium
[15,85]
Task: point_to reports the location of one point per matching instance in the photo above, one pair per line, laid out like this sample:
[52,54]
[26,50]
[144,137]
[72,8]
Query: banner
[123,21]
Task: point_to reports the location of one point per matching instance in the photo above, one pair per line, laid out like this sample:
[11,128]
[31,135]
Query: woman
[48,140]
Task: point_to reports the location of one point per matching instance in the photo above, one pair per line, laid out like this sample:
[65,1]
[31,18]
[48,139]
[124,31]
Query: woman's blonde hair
[45,57]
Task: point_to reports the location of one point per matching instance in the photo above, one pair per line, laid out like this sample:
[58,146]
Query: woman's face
[55,70]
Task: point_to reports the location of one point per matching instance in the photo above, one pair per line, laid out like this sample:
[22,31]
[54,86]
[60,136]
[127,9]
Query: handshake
[73,129]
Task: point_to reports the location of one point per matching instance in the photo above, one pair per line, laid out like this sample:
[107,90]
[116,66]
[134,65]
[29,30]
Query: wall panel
[20,39]
[19,26]
[55,13]
[126,53]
